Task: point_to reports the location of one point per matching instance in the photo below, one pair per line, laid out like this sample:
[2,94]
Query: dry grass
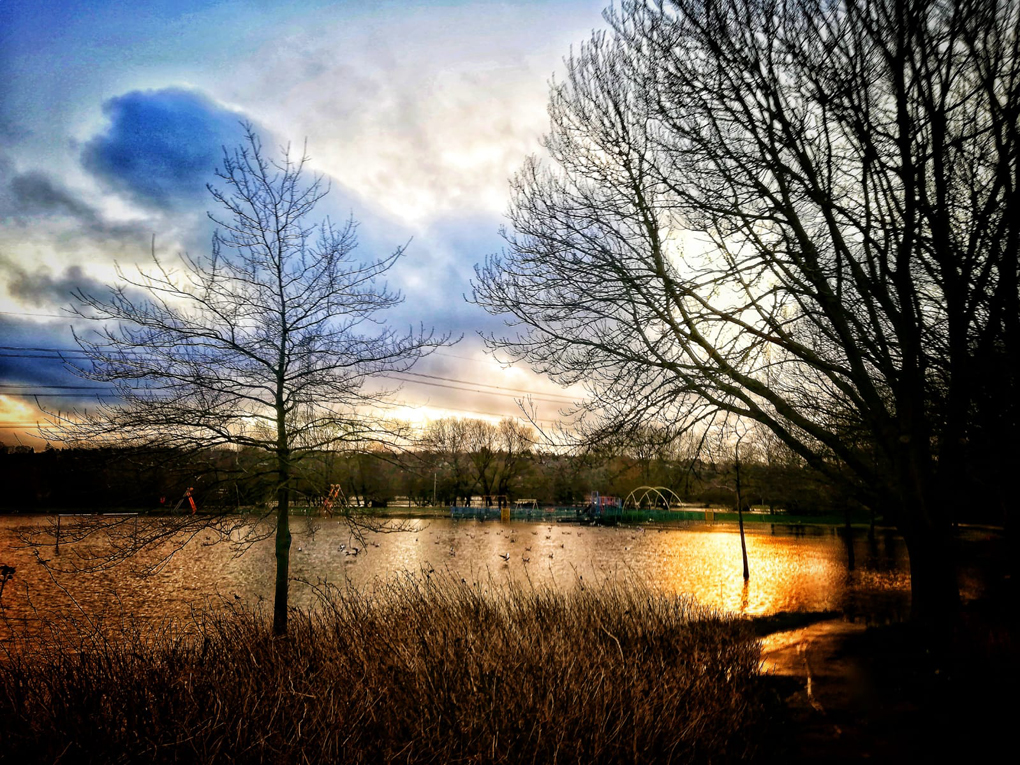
[427,670]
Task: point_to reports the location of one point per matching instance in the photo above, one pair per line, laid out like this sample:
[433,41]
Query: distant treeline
[102,478]
[450,461]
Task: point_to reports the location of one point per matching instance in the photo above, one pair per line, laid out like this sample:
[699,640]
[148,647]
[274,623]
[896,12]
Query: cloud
[34,193]
[10,131]
[41,287]
[162,146]
[422,122]
[44,216]
[436,272]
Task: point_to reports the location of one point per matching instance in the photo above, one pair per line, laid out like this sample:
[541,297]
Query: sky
[113,115]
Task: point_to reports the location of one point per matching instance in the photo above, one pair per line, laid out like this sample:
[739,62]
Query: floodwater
[802,572]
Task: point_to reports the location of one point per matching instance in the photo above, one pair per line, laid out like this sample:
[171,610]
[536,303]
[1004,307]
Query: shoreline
[752,521]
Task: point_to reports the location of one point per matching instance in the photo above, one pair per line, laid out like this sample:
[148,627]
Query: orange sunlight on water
[788,573]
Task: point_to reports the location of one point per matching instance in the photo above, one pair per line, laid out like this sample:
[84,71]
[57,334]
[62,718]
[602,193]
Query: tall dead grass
[427,669]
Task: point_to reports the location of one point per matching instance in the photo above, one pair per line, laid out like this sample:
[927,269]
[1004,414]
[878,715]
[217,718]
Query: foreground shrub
[425,670]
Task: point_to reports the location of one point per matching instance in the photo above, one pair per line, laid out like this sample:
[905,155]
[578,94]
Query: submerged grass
[426,670]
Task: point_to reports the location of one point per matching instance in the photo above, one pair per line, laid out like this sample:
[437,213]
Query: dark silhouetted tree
[802,213]
[263,344]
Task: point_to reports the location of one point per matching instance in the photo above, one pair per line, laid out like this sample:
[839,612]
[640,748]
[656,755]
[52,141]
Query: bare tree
[801,212]
[474,454]
[265,343]
[515,444]
[482,444]
[445,441]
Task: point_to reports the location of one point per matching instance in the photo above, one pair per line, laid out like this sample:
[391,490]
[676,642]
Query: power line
[566,398]
[60,387]
[91,318]
[51,395]
[411,405]
[457,383]
[33,348]
[51,315]
[61,351]
[394,402]
[473,390]
[40,356]
[37,393]
[41,315]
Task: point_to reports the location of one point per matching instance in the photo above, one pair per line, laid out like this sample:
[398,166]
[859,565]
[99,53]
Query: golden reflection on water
[788,573]
[784,576]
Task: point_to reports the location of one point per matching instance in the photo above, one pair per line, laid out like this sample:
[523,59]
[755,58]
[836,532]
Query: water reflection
[806,572]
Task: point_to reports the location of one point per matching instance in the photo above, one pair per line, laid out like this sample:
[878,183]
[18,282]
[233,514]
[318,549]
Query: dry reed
[426,669]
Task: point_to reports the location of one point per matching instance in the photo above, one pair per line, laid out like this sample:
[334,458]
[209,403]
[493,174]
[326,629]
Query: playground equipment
[524,512]
[336,495]
[598,504]
[187,496]
[658,494]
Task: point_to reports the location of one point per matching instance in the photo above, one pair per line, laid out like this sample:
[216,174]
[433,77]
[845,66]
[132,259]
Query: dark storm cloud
[161,146]
[34,200]
[34,193]
[41,287]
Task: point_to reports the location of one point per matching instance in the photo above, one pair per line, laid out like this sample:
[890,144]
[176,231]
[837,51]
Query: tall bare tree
[445,444]
[482,444]
[805,213]
[515,444]
[265,343]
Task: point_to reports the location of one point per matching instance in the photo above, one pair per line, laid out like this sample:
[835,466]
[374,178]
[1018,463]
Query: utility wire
[49,387]
[38,393]
[95,318]
[40,315]
[455,383]
[565,397]
[78,350]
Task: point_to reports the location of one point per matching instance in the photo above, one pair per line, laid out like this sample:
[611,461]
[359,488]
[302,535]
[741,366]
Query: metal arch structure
[661,492]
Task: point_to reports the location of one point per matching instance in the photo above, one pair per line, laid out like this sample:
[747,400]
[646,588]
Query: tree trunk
[743,543]
[740,512]
[924,523]
[282,547]
[848,536]
[934,591]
